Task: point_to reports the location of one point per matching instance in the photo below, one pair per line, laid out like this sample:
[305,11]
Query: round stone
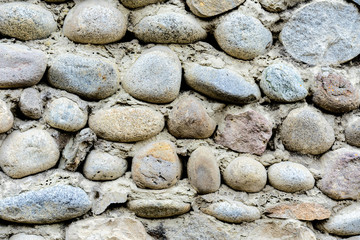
[245,174]
[139,3]
[352,132]
[6,117]
[212,8]
[155,76]
[26,21]
[242,36]
[306,131]
[282,83]
[29,152]
[311,36]
[96,22]
[290,177]
[104,166]
[30,103]
[156,166]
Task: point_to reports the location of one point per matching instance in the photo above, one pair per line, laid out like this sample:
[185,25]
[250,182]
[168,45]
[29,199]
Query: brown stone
[158,208]
[247,132]
[300,211]
[209,8]
[352,132]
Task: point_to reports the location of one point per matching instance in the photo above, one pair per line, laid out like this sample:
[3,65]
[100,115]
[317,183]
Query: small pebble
[212,8]
[30,103]
[139,3]
[352,132]
[6,117]
[23,236]
[147,208]
[278,5]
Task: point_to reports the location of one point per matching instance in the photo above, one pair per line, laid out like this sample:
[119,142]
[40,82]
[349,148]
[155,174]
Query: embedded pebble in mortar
[139,3]
[23,236]
[156,166]
[29,152]
[169,28]
[312,37]
[242,36]
[65,114]
[96,22]
[92,78]
[306,131]
[189,119]
[212,8]
[278,5]
[352,132]
[221,84]
[203,171]
[147,208]
[48,205]
[20,66]
[300,211]
[126,124]
[6,117]
[282,83]
[30,103]
[290,177]
[155,76]
[103,166]
[245,174]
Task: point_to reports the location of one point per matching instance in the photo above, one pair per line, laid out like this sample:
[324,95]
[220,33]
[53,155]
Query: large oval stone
[6,117]
[158,208]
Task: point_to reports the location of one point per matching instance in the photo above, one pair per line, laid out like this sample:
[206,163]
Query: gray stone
[29,152]
[23,236]
[278,5]
[356,1]
[352,132]
[139,3]
[89,77]
[30,103]
[242,36]
[158,208]
[169,28]
[282,83]
[221,84]
[312,37]
[26,21]
[212,8]
[55,1]
[48,205]
[6,117]
[155,76]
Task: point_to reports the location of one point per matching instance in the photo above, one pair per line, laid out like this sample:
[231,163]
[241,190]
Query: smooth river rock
[30,103]
[212,8]
[139,3]
[352,132]
[158,208]
[6,117]
[301,211]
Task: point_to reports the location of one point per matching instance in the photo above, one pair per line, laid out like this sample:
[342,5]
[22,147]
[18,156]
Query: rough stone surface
[312,37]
[212,8]
[158,208]
[23,236]
[6,117]
[48,205]
[242,36]
[29,152]
[278,5]
[155,76]
[306,131]
[169,28]
[245,174]
[290,177]
[26,21]
[221,84]
[30,103]
[126,124]
[156,166]
[139,3]
[92,78]
[55,1]
[246,132]
[352,132]
[300,211]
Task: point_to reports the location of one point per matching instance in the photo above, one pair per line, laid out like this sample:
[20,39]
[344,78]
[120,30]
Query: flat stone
[290,177]
[312,37]
[203,171]
[103,166]
[189,119]
[156,166]
[96,22]
[48,205]
[352,132]
[127,124]
[306,131]
[247,132]
[300,211]
[6,117]
[89,77]
[20,66]
[169,28]
[221,84]
[30,103]
[278,5]
[245,174]
[212,8]
[242,36]
[23,236]
[29,152]
[155,76]
[139,3]
[158,208]
[282,83]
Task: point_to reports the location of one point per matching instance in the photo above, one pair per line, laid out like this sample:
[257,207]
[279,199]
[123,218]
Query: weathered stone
[109,193]
[48,205]
[203,171]
[6,117]
[26,21]
[139,3]
[155,76]
[212,8]
[242,36]
[352,132]
[306,131]
[221,84]
[290,177]
[89,77]
[26,153]
[282,83]
[300,211]
[169,28]
[158,208]
[278,5]
[20,66]
[156,166]
[23,236]
[245,174]
[246,132]
[30,103]
[127,124]
[312,37]
[96,22]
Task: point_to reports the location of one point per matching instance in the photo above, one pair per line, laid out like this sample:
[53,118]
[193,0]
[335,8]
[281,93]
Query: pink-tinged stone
[300,211]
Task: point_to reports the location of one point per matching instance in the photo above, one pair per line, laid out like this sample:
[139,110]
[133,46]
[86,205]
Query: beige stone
[210,8]
[6,117]
[158,208]
[300,211]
